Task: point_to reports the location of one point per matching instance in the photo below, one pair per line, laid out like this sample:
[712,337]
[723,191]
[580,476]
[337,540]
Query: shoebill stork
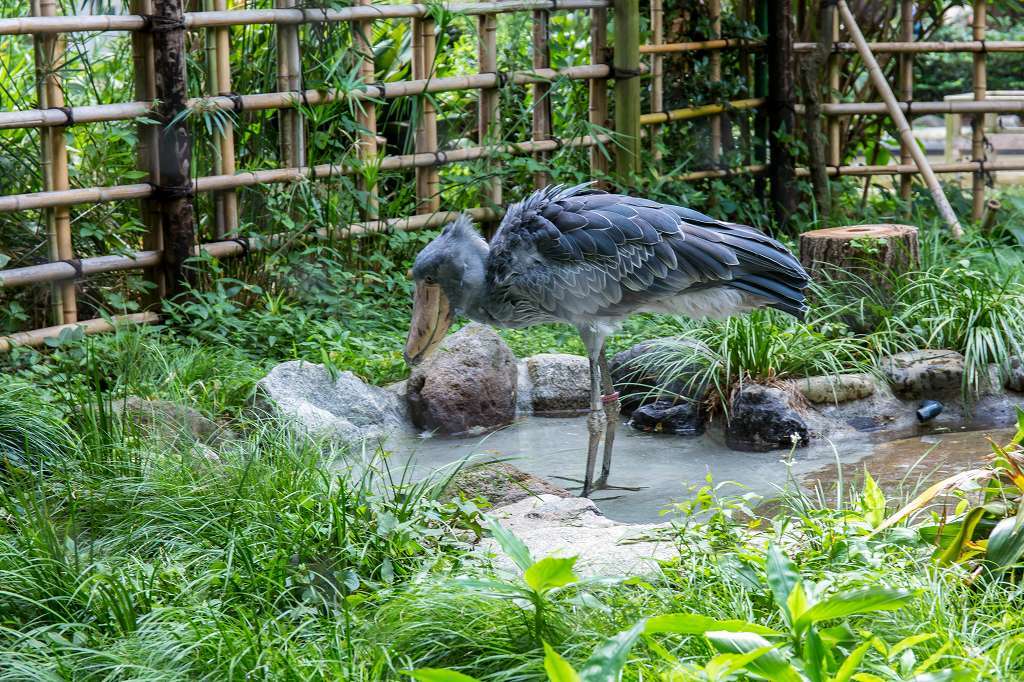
[592,259]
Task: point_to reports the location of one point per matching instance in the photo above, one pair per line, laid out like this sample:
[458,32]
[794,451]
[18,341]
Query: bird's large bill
[431,317]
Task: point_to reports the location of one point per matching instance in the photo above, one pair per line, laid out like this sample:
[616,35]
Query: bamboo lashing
[980,73]
[597,97]
[197,20]
[144,67]
[906,85]
[37,337]
[488,119]
[906,134]
[715,76]
[227,200]
[49,62]
[657,72]
[362,36]
[541,94]
[424,48]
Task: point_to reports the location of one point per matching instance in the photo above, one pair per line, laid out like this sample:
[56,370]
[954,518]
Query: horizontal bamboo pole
[698,112]
[924,46]
[196,20]
[722,173]
[988,106]
[212,183]
[911,169]
[37,337]
[701,45]
[35,118]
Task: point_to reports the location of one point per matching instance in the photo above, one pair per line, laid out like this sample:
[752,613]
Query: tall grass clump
[32,431]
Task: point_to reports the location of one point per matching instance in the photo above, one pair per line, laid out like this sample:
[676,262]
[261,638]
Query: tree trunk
[869,252]
[781,112]
[811,74]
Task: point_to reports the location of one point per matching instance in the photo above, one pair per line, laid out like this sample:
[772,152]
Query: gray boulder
[762,418]
[342,407]
[176,424]
[841,388]
[500,484]
[1015,378]
[925,373]
[638,385]
[556,384]
[467,385]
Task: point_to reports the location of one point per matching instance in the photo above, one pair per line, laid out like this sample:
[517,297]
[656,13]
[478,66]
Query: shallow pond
[668,466]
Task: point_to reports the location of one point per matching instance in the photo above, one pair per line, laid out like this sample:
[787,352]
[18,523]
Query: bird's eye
[429,280]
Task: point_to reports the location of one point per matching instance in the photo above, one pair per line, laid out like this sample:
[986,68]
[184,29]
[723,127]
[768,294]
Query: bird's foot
[600,485]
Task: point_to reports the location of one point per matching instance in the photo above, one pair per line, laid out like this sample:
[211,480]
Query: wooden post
[627,91]
[598,99]
[978,120]
[715,76]
[49,62]
[489,121]
[873,252]
[781,112]
[175,145]
[144,63]
[424,47]
[541,93]
[747,73]
[906,81]
[289,79]
[761,91]
[835,151]
[363,37]
[906,134]
[657,72]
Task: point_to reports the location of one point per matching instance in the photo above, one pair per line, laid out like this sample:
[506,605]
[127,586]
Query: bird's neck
[471,297]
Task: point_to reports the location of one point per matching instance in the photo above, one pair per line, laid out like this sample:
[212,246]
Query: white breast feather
[716,303]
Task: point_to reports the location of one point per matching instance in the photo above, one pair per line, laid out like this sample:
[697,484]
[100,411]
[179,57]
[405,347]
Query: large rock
[574,526]
[638,384]
[340,407]
[762,418]
[554,384]
[467,385]
[500,484]
[925,373]
[1015,378]
[665,416]
[836,389]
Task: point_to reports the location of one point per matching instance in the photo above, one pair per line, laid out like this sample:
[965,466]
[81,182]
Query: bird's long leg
[595,423]
[612,410]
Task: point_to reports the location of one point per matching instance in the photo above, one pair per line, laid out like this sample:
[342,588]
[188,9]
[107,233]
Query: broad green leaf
[725,664]
[609,658]
[873,500]
[770,664]
[933,659]
[796,603]
[493,586]
[439,675]
[815,665]
[956,547]
[516,550]
[550,572]
[945,676]
[557,668]
[867,677]
[954,481]
[908,642]
[1006,543]
[782,577]
[849,666]
[696,624]
[850,603]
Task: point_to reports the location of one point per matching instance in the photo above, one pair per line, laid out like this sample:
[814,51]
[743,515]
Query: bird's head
[448,275]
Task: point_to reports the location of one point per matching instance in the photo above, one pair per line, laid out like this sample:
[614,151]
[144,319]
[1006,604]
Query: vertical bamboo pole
[978,120]
[715,76]
[289,79]
[835,152]
[144,63]
[657,72]
[424,47]
[747,73]
[761,90]
[906,82]
[226,140]
[781,114]
[598,98]
[50,60]
[541,94]
[627,90]
[174,143]
[363,36]
[489,122]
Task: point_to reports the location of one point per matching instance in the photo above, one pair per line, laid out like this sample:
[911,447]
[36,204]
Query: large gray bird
[592,259]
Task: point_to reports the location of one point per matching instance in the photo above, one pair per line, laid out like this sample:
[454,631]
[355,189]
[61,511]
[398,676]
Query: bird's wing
[575,252]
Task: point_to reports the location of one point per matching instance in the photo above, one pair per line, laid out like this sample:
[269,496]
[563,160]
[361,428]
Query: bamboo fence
[165,195]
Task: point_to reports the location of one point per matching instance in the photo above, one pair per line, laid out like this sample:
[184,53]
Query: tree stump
[869,252]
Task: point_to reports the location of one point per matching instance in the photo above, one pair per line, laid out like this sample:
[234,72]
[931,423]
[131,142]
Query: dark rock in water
[664,416]
[1015,378]
[500,484]
[762,418]
[925,373]
[638,385]
[467,385]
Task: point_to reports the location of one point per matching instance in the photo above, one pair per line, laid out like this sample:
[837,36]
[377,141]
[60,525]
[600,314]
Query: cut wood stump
[870,252]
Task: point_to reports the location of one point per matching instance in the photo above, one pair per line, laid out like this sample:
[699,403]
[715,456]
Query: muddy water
[667,467]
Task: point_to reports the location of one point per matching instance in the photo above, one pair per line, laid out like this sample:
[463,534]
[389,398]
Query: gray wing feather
[571,253]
